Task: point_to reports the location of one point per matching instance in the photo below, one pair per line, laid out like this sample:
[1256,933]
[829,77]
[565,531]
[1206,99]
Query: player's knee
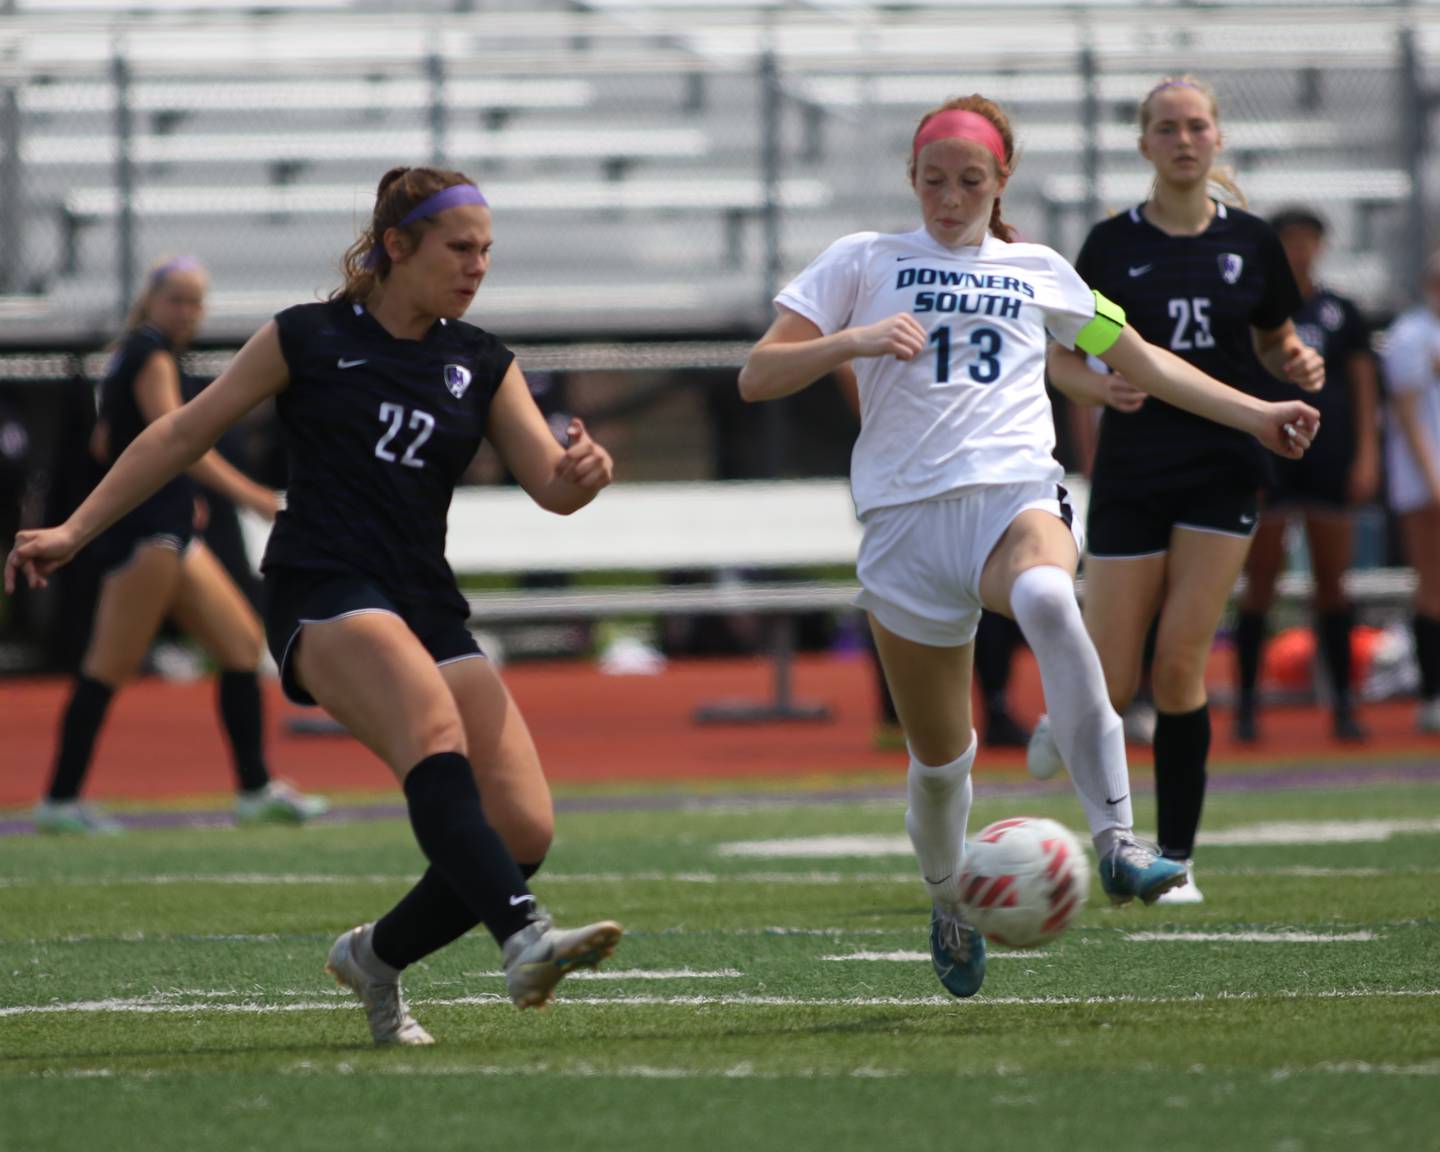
[439,731]
[1043,599]
[1176,677]
[530,835]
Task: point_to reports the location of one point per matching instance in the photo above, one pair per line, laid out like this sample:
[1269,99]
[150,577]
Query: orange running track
[163,740]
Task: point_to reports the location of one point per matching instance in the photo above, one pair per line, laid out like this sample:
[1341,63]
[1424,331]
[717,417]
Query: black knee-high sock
[463,847]
[242,715]
[1334,629]
[1427,653]
[89,701]
[1182,745]
[995,641]
[428,917]
[1249,643]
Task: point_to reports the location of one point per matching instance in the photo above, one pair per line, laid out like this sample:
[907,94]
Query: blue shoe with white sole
[1134,868]
[958,952]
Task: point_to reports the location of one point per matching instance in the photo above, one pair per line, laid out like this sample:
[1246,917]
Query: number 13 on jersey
[984,369]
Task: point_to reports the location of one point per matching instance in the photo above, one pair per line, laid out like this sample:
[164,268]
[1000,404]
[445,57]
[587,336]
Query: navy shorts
[1128,520]
[117,545]
[296,597]
[1313,481]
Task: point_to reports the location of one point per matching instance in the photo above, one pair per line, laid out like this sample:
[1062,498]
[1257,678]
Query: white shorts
[920,564]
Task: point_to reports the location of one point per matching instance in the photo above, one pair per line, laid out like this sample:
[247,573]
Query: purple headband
[163,272]
[453,197]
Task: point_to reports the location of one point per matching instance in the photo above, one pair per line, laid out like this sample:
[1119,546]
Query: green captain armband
[1098,336]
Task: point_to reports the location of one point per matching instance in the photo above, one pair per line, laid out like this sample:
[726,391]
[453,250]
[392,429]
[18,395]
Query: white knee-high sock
[939,809]
[1087,730]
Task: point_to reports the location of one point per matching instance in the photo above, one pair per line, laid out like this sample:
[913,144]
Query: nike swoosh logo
[899,258]
[941,880]
[1141,270]
[1247,520]
[1109,801]
[343,363]
[514,900]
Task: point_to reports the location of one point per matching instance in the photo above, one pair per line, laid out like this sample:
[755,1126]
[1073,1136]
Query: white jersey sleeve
[827,291]
[1410,353]
[1070,305]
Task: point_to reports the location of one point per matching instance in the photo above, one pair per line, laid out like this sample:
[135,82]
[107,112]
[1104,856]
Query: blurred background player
[384,396]
[155,566]
[1412,460]
[957,487]
[1341,473]
[1175,498]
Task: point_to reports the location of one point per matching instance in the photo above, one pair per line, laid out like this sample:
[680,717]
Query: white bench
[461,145]
[719,527]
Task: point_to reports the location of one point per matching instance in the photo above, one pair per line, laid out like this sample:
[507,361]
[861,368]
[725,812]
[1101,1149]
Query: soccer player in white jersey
[958,492]
[1412,460]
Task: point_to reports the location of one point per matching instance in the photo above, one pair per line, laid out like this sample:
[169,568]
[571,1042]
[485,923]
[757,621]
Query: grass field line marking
[161,1006]
[903,957]
[323,878]
[635,974]
[1163,937]
[815,878]
[1270,832]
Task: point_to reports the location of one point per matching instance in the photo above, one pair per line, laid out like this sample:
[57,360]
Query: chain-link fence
[655,170]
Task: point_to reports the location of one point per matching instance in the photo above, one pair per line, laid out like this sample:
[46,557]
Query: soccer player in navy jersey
[1340,473]
[1175,499]
[384,395]
[156,566]
[945,328]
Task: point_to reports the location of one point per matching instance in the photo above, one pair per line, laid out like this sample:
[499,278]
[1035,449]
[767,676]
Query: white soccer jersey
[1412,364]
[971,408]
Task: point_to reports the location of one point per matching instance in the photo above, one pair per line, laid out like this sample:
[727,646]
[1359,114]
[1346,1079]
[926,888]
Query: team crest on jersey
[457,379]
[1332,315]
[1231,266]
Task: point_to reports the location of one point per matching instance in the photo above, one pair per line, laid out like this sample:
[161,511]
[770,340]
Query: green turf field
[164,990]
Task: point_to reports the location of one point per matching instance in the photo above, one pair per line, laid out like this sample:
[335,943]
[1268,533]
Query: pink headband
[962,124]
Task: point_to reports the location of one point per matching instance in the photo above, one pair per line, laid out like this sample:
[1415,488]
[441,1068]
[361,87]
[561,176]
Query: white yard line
[159,1005]
[1363,936]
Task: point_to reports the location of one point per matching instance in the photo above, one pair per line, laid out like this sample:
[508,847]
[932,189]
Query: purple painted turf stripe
[1354,776]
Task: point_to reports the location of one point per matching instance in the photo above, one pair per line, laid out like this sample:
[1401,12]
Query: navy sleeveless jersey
[1198,296]
[172,508]
[378,432]
[1335,328]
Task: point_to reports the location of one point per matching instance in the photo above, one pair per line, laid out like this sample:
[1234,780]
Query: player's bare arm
[1285,357]
[559,479]
[161,452]
[1286,428]
[157,394]
[1069,371]
[794,354]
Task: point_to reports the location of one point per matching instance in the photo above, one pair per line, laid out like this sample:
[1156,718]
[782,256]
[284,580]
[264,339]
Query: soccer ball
[1023,881]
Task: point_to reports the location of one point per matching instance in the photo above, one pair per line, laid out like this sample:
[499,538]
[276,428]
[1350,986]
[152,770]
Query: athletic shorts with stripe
[920,564]
[1136,519]
[296,597]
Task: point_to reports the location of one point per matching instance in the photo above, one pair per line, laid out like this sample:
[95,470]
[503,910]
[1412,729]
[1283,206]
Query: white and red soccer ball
[1024,881]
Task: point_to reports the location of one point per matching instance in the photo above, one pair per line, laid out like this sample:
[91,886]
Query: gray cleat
[390,1021]
[540,955]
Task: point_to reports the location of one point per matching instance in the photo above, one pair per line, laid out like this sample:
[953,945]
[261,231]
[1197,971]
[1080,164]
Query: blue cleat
[958,952]
[1134,868]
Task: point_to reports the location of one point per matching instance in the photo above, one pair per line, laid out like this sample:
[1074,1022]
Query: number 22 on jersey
[421,423]
[985,369]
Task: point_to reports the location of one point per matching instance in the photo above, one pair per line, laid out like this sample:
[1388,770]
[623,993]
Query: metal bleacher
[624,144]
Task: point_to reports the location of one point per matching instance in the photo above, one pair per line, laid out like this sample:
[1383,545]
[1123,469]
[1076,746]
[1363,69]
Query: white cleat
[1186,892]
[1042,755]
[278,803]
[540,955]
[390,1021]
[76,818]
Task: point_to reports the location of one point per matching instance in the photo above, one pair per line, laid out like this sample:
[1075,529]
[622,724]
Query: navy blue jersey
[120,412]
[1334,327]
[1198,296]
[378,433]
